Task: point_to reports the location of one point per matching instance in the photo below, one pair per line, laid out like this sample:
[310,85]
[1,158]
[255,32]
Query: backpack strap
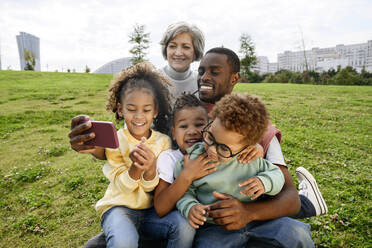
[269,135]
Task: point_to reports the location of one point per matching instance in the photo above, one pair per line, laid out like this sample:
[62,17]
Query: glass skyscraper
[31,43]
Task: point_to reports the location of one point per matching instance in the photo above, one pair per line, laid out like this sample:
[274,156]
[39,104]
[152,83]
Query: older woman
[181,45]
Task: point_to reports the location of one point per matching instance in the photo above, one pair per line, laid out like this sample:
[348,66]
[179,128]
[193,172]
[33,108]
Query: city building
[273,67]
[115,66]
[28,43]
[263,66]
[323,59]
[358,56]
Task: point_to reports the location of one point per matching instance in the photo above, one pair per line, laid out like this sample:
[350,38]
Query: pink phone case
[106,135]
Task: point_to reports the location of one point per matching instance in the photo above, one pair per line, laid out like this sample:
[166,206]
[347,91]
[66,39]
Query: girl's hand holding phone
[82,135]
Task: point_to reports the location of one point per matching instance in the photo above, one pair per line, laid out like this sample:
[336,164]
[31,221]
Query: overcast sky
[76,33]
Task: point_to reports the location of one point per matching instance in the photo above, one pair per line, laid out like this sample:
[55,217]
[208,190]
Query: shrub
[345,77]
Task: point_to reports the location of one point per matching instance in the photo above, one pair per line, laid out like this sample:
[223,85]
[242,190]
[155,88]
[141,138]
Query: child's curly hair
[243,114]
[186,100]
[142,75]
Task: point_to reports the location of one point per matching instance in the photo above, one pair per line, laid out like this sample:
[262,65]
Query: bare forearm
[166,199]
[99,153]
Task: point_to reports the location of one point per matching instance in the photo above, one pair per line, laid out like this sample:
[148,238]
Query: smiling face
[223,136]
[138,109]
[215,78]
[180,52]
[187,126]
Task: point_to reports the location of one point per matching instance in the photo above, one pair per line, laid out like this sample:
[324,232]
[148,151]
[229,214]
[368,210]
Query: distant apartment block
[273,67]
[115,66]
[323,59]
[320,59]
[263,66]
[31,43]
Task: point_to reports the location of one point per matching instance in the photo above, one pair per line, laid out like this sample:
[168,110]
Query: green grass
[47,191]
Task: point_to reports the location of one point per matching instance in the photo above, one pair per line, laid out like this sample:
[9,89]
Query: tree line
[345,76]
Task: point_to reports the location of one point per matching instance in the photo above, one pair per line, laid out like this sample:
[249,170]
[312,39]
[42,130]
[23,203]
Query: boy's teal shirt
[226,180]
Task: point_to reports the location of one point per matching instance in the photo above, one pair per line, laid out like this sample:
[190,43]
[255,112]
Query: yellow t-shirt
[123,190]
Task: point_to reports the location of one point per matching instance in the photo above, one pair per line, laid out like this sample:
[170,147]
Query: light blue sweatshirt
[226,180]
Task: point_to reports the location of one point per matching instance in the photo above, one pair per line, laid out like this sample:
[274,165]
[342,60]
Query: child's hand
[199,167]
[144,159]
[197,215]
[254,188]
[251,153]
[131,154]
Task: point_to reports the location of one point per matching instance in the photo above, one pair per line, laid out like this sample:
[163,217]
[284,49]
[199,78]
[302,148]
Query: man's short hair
[182,27]
[232,58]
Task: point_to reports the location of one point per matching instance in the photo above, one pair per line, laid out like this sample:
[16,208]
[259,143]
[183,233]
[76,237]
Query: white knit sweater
[182,81]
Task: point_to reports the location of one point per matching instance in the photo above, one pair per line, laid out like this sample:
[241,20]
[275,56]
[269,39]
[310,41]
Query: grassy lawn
[48,191]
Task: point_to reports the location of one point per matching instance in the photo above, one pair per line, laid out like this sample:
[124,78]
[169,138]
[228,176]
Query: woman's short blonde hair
[183,27]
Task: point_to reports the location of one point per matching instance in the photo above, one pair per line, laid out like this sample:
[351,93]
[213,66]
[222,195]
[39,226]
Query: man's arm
[232,214]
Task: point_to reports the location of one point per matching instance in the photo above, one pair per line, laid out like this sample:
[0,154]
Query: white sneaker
[309,188]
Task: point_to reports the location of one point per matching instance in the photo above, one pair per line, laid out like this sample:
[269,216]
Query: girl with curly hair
[140,97]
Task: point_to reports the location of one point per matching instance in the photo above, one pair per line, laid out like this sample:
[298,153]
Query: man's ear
[235,78]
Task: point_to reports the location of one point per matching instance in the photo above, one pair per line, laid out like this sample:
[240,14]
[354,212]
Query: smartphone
[106,135]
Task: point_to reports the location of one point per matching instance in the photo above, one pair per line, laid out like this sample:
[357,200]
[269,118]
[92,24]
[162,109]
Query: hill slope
[48,191]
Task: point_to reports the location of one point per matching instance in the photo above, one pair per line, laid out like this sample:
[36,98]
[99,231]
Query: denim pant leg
[120,226]
[307,208]
[284,231]
[172,227]
[215,236]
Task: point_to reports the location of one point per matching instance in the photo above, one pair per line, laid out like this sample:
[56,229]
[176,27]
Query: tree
[249,58]
[304,50]
[87,69]
[347,76]
[30,60]
[140,39]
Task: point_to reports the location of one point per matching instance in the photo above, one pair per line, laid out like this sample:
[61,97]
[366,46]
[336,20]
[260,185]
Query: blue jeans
[307,208]
[123,226]
[172,227]
[281,232]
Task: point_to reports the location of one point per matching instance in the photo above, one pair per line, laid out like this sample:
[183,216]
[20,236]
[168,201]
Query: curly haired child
[139,96]
[238,121]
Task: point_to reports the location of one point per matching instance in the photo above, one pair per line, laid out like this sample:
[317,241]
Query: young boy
[239,120]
